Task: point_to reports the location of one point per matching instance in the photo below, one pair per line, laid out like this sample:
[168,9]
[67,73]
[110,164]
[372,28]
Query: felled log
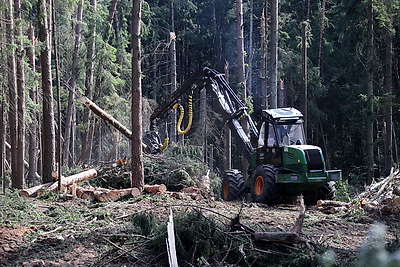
[389,179]
[282,237]
[66,181]
[113,195]
[331,203]
[76,178]
[108,118]
[103,194]
[34,191]
[154,189]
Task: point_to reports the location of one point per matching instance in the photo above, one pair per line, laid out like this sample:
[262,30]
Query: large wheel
[232,185]
[325,192]
[263,188]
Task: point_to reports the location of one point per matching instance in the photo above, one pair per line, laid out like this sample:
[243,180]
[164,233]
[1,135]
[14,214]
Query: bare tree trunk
[113,9]
[387,110]
[263,68]
[87,134]
[48,132]
[12,96]
[68,156]
[304,93]
[370,95]
[172,134]
[281,94]
[137,178]
[241,70]
[20,95]
[273,85]
[321,35]
[3,79]
[228,134]
[203,123]
[251,52]
[33,126]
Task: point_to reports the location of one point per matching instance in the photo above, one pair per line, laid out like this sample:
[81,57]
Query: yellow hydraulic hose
[182,113]
[165,145]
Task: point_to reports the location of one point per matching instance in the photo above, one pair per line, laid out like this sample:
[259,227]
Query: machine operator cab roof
[282,114]
[282,127]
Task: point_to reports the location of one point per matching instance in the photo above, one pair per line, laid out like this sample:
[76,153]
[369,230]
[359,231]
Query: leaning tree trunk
[137,178]
[12,96]
[68,156]
[33,126]
[48,131]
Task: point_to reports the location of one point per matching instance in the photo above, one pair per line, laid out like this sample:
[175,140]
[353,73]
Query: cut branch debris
[380,196]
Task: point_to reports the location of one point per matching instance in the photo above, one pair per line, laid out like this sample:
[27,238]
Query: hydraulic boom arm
[232,108]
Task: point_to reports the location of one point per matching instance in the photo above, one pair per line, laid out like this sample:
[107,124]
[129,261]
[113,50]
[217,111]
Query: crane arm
[232,108]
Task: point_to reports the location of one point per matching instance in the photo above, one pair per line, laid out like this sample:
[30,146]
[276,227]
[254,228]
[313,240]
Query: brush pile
[381,196]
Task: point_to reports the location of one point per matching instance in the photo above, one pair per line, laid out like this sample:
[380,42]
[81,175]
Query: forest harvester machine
[280,163]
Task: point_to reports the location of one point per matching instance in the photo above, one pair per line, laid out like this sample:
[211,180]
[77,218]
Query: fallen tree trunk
[331,203]
[282,237]
[153,189]
[76,178]
[108,118]
[66,181]
[34,191]
[103,194]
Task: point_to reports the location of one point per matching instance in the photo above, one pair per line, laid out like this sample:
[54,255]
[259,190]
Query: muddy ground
[58,232]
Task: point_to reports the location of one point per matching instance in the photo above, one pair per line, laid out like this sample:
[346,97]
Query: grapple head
[152,141]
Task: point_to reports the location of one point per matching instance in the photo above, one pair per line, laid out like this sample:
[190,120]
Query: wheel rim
[225,190]
[259,185]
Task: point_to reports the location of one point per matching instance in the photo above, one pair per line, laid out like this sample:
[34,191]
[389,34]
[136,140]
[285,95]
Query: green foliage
[203,240]
[144,224]
[15,209]
[342,191]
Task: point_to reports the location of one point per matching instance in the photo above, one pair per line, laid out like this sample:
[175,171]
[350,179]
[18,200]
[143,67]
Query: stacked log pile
[111,183]
[381,196]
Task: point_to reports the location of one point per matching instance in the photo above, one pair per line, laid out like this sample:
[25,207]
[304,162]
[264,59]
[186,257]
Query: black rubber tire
[263,187]
[325,192]
[233,187]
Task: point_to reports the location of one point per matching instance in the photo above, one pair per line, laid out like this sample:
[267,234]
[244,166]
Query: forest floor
[52,231]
